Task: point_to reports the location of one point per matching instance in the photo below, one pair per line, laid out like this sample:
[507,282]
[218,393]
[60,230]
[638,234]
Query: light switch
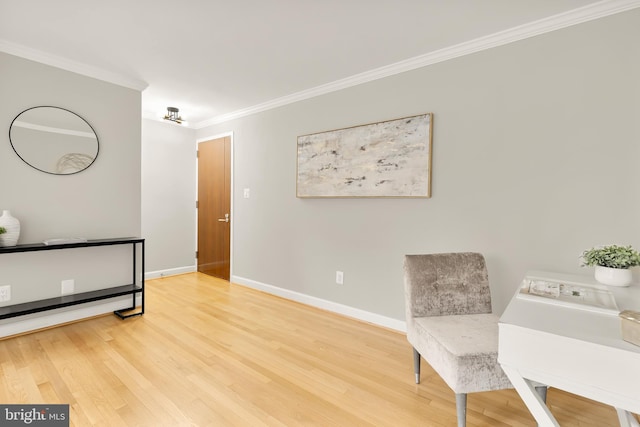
[247,193]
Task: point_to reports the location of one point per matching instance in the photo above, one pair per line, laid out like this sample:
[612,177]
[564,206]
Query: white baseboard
[46,319]
[169,272]
[335,307]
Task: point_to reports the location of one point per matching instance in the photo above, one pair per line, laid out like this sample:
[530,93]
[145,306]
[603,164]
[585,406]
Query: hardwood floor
[210,353]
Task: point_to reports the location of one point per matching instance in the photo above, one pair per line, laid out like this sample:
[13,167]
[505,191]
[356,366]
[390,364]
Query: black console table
[73,299]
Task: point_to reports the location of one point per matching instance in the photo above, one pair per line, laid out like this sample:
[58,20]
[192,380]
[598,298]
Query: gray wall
[535,159]
[168,197]
[100,202]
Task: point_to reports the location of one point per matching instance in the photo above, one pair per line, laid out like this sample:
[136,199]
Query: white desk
[572,349]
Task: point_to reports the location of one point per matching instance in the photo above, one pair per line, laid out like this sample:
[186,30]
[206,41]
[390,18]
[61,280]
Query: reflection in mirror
[54,140]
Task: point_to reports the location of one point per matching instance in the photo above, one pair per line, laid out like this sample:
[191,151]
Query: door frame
[198,141]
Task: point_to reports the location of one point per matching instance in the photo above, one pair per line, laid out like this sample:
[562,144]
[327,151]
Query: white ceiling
[214,58]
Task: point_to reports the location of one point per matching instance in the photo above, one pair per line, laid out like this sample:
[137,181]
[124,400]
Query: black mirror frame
[69,111]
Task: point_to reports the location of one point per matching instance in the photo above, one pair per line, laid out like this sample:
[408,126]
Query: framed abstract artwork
[384,159]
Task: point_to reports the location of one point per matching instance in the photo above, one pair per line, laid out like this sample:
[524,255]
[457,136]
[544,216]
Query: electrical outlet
[67,286]
[5,293]
[339,277]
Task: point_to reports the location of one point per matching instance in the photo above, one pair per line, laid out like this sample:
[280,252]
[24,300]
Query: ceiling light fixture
[173,116]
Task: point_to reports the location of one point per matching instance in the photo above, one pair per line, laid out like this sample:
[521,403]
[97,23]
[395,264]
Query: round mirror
[54,140]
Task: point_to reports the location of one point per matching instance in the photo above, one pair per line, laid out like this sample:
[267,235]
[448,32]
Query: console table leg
[122,316]
[527,391]
[626,419]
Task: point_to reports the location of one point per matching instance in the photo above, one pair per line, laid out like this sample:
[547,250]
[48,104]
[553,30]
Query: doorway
[214,207]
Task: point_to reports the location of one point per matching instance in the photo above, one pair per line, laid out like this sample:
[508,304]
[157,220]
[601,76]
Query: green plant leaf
[612,256]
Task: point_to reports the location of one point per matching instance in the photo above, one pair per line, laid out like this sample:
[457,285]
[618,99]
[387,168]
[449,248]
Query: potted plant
[612,263]
[3,230]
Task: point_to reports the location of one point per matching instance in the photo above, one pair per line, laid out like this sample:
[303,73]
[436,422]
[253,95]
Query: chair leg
[542,392]
[461,409]
[416,365]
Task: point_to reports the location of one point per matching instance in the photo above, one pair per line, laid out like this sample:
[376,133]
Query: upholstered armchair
[450,323]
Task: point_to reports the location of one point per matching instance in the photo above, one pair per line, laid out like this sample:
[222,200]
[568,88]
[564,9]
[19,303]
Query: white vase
[12,225]
[613,276]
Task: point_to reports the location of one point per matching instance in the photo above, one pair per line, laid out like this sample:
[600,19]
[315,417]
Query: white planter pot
[613,276]
[12,225]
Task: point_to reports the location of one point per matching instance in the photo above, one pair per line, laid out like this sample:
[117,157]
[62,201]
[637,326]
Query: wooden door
[214,207]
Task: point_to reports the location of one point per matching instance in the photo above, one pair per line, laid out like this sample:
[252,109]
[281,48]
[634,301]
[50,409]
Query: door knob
[225,219]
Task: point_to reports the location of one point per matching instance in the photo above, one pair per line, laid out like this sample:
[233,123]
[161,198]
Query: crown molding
[73,66]
[583,14]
